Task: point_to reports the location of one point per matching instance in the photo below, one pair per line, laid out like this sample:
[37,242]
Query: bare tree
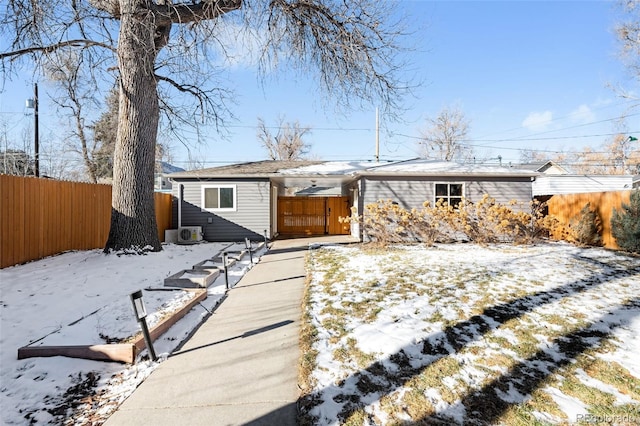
[16,162]
[77,96]
[16,155]
[620,155]
[444,136]
[162,47]
[287,143]
[628,34]
[533,156]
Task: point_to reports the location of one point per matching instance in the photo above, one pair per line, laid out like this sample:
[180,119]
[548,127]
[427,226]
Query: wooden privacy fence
[43,217]
[567,207]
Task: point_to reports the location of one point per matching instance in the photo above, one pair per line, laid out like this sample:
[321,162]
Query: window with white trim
[450,193]
[219,197]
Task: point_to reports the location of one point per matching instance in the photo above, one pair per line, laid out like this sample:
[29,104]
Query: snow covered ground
[464,334]
[82,298]
[454,333]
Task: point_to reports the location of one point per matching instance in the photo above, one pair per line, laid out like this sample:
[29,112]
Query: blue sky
[527,74]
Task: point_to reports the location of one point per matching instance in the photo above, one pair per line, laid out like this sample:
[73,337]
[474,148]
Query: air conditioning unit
[189,234]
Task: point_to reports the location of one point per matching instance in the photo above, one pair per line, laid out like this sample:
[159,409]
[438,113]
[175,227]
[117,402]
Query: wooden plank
[51,192]
[11,220]
[103,209]
[164,325]
[163,208]
[121,352]
[64,228]
[7,239]
[33,219]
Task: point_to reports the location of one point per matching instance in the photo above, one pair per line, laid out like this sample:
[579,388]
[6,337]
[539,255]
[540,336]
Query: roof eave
[448,174]
[221,176]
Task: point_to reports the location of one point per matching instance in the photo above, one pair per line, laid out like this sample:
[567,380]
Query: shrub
[625,224]
[484,222]
[586,229]
[386,222]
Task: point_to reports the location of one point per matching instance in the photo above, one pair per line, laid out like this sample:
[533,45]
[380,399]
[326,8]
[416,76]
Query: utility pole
[377,137]
[36,134]
[33,103]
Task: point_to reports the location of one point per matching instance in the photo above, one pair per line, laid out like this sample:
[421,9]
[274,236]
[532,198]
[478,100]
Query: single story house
[270,198]
[547,185]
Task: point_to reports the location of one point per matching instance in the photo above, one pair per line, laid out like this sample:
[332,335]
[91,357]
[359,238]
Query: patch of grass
[527,344]
[615,375]
[416,405]
[362,359]
[520,415]
[499,360]
[432,377]
[436,317]
[308,358]
[357,309]
[498,340]
[542,402]
[390,405]
[341,354]
[357,418]
[587,394]
[335,326]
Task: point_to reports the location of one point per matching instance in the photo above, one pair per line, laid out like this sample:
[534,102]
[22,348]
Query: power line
[566,128]
[577,113]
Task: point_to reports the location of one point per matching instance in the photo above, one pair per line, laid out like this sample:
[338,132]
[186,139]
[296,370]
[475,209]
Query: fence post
[226,275]
[247,244]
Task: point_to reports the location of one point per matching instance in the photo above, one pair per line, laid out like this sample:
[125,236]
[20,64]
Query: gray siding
[413,192]
[250,220]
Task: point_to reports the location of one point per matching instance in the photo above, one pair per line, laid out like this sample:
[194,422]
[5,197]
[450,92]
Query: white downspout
[180,188]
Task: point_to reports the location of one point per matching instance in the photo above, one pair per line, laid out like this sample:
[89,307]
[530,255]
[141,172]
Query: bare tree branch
[57,46]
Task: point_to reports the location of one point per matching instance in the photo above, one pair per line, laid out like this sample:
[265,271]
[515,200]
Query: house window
[219,197]
[450,193]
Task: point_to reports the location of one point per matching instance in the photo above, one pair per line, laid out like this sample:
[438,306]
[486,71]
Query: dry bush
[586,228]
[484,222]
[386,222]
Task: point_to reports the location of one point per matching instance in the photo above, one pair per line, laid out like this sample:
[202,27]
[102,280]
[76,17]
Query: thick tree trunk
[133,220]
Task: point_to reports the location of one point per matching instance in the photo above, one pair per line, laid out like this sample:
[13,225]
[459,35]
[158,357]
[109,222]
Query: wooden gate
[312,215]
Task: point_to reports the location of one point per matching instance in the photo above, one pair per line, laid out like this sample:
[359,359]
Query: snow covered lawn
[82,298]
[464,334]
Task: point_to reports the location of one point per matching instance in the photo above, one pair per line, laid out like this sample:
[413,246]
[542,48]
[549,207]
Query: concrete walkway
[241,365]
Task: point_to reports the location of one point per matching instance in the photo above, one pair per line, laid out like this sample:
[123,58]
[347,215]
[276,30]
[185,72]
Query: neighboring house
[556,180]
[252,199]
[548,185]
[636,182]
[546,167]
[161,180]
